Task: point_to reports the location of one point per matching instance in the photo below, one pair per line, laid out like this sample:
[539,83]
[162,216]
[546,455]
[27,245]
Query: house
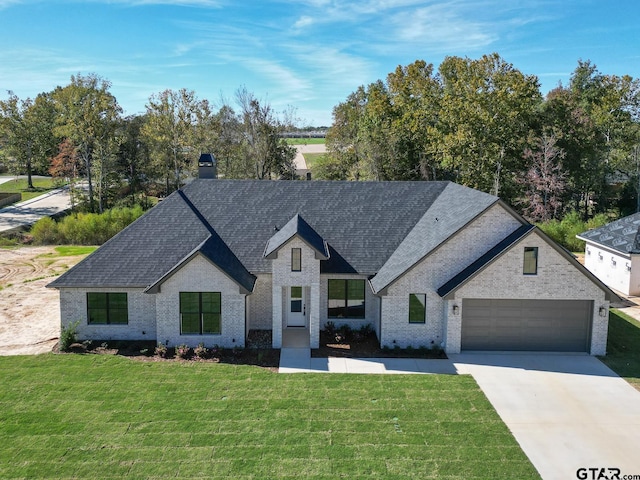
[423,263]
[612,253]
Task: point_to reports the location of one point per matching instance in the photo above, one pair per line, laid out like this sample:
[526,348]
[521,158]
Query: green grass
[73,250]
[312,158]
[305,141]
[40,186]
[623,347]
[101,416]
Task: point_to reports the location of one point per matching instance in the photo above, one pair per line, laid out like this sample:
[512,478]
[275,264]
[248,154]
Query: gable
[499,273]
[455,208]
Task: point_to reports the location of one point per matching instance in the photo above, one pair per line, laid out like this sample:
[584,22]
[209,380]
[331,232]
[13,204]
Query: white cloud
[303,22]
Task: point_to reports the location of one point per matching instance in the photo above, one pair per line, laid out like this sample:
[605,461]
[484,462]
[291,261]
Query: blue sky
[307,54]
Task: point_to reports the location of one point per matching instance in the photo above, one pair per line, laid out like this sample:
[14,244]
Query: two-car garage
[526,325]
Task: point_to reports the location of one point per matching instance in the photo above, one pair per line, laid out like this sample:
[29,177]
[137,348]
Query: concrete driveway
[566,411]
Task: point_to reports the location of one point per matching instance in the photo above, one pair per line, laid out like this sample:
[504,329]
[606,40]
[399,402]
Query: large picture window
[417,307]
[107,308]
[346,299]
[200,313]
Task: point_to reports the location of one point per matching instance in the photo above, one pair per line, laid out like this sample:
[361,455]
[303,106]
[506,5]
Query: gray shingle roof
[363,223]
[453,209]
[621,235]
[297,226]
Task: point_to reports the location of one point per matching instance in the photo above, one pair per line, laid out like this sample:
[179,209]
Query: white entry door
[297,308]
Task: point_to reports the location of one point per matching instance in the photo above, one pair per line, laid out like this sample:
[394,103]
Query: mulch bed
[258,351]
[356,345]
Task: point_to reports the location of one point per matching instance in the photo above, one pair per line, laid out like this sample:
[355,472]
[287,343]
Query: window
[346,299]
[530,261]
[200,313]
[296,259]
[107,308]
[417,307]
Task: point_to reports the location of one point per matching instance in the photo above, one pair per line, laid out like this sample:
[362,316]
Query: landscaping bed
[258,351]
[363,343]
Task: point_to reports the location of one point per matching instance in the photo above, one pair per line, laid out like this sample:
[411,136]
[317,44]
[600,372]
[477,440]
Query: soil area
[358,345]
[29,312]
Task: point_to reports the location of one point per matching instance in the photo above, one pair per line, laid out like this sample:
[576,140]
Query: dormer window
[296,259]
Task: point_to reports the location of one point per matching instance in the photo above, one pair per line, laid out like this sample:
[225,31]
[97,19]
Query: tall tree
[266,150]
[544,180]
[488,108]
[175,132]
[87,114]
[68,166]
[27,129]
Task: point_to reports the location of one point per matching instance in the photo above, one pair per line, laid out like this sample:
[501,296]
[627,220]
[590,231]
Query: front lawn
[623,347]
[102,416]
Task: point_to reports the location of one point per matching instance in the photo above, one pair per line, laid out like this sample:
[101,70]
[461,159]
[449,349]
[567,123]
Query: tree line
[483,123]
[78,133]
[479,122]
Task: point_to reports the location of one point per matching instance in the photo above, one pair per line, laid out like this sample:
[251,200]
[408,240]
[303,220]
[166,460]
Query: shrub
[45,231]
[182,351]
[330,327]
[564,231]
[68,336]
[161,350]
[201,351]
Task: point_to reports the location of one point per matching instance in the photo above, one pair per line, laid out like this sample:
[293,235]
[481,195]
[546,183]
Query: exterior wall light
[456,309]
[603,311]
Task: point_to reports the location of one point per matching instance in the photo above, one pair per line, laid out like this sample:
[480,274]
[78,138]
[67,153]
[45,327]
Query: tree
[265,150]
[67,165]
[88,114]
[488,108]
[27,130]
[544,181]
[176,131]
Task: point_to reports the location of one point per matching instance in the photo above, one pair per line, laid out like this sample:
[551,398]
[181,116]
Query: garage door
[534,325]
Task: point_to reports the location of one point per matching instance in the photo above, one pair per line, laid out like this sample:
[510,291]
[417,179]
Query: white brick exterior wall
[142,313]
[432,272]
[611,267]
[260,304]
[200,275]
[557,279]
[283,277]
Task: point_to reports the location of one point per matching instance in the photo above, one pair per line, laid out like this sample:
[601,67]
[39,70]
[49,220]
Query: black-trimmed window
[417,307]
[530,266]
[107,308]
[346,299]
[296,259]
[200,313]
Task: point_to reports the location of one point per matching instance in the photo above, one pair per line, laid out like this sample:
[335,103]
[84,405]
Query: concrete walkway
[298,360]
[566,411]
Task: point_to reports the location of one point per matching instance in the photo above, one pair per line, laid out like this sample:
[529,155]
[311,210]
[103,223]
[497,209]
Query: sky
[308,55]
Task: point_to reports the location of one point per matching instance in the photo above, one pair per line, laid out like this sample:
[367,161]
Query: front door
[297,308]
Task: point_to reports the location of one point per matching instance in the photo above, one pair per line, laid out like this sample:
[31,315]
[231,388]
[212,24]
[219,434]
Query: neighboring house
[612,253]
[424,263]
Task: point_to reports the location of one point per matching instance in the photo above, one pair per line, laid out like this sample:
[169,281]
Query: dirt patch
[29,312]
[355,345]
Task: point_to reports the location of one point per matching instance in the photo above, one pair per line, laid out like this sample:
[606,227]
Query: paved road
[29,212]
